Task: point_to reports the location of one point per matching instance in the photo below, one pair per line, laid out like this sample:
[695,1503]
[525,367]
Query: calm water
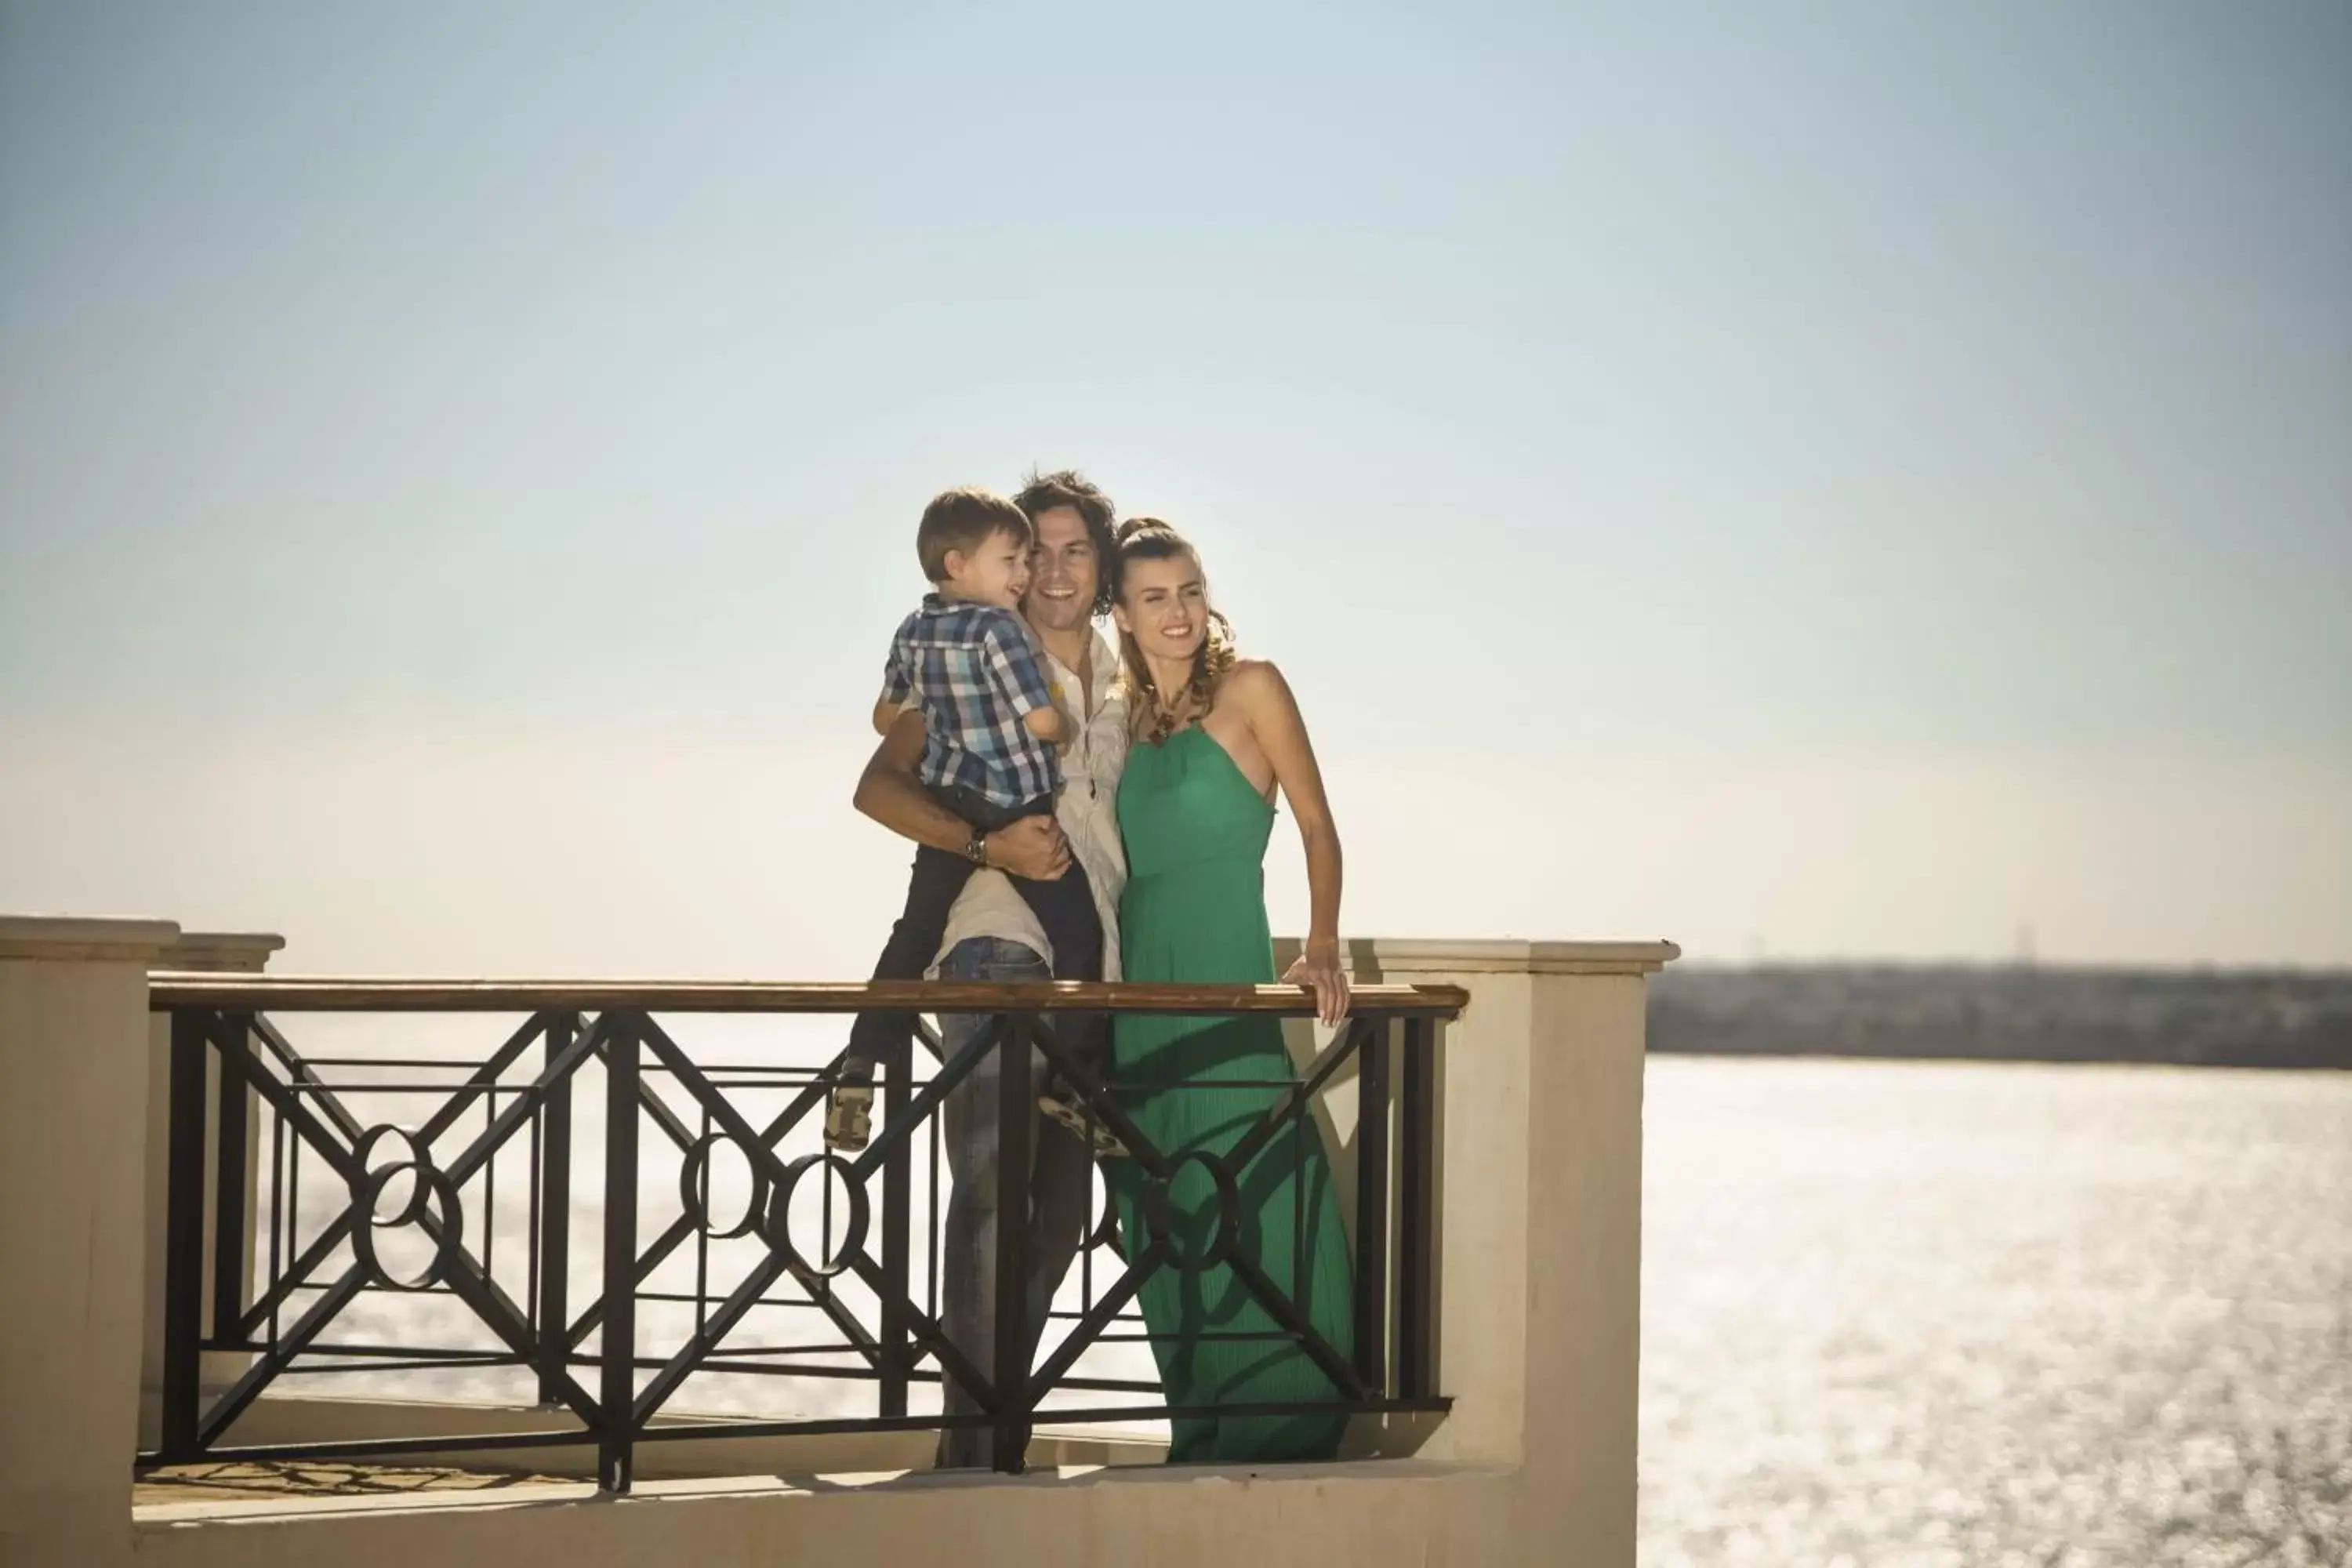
[1894,1315]
[1901,1315]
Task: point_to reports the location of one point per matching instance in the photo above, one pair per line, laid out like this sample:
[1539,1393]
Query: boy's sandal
[850,1118]
[1101,1139]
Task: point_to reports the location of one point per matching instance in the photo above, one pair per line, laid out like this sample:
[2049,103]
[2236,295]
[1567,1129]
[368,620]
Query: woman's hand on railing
[1317,969]
[1032,847]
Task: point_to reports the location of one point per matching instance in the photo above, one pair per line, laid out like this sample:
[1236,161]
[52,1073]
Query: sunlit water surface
[1914,1314]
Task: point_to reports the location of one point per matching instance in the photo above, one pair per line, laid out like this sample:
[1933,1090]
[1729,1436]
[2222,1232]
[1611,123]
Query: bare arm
[1264,699]
[889,792]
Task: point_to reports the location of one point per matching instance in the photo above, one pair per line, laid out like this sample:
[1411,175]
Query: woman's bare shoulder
[1255,684]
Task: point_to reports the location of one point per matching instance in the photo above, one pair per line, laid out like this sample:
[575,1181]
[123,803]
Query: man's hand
[888,792]
[1032,849]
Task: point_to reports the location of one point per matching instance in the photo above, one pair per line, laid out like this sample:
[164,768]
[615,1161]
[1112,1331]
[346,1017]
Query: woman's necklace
[1166,718]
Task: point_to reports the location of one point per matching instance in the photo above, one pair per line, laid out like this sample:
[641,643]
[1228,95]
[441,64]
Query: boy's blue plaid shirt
[970,670]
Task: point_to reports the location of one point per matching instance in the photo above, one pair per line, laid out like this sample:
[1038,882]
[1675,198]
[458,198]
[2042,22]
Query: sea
[1941,1315]
[1894,1314]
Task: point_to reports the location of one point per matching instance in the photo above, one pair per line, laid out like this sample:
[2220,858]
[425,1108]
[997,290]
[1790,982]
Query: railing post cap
[1400,959]
[65,939]
[220,953]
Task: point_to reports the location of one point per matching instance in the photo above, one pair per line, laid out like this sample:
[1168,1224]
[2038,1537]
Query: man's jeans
[1060,1192]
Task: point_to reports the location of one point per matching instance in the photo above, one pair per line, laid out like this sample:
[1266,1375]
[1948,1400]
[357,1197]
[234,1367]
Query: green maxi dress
[1194,911]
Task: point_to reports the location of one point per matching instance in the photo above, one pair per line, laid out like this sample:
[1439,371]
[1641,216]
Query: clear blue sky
[1792,478]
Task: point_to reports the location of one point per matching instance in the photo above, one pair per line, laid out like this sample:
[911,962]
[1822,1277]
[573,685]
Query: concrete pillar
[73,1035]
[1540,1206]
[204,952]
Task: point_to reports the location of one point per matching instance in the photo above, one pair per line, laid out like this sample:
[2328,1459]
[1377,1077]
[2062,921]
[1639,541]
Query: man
[991,934]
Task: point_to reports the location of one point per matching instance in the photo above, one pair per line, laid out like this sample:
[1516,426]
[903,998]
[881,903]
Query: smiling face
[1065,574]
[995,572]
[1163,604]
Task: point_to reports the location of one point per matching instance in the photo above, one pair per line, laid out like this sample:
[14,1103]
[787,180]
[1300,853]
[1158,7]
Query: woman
[1216,737]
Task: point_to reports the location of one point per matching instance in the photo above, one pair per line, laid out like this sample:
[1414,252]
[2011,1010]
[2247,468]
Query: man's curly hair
[1067,487]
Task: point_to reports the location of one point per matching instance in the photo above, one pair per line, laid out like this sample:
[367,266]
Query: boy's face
[995,573]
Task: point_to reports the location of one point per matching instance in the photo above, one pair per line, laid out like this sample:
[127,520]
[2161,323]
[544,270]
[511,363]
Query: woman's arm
[1258,689]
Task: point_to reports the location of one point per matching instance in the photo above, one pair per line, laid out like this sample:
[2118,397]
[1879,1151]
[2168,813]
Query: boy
[990,728]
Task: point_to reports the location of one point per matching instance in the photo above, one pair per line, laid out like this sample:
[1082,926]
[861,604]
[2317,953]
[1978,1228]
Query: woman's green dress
[1194,911]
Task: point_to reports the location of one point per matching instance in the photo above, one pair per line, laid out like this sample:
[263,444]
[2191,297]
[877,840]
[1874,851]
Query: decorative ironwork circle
[779,1213]
[1158,1220]
[1105,1232]
[693,1176]
[419,1159]
[430,1186]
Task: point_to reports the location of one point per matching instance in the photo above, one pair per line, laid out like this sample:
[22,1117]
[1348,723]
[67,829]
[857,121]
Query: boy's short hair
[962,520]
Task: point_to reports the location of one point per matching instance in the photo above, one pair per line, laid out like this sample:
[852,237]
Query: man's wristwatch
[975,848]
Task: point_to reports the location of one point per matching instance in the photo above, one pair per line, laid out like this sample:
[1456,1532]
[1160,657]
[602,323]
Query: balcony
[567,1168]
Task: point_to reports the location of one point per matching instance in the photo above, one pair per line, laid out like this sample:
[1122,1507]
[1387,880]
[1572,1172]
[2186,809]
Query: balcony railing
[410,1202]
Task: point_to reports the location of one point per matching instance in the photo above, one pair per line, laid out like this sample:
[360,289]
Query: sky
[1801,480]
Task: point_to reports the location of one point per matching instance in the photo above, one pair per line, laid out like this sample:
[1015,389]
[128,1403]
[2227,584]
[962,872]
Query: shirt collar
[1103,666]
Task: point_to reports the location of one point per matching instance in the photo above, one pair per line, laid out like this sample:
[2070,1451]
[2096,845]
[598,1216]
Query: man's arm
[889,792]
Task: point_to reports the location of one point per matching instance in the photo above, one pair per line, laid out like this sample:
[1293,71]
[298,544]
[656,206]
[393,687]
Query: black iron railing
[410,1200]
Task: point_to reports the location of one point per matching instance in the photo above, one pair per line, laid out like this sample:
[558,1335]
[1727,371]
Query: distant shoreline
[2022,1013]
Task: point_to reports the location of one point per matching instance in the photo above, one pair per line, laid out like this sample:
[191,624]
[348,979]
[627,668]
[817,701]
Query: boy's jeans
[1060,1192]
[1064,908]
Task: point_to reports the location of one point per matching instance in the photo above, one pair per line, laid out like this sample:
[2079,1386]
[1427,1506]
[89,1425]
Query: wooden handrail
[315,994]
